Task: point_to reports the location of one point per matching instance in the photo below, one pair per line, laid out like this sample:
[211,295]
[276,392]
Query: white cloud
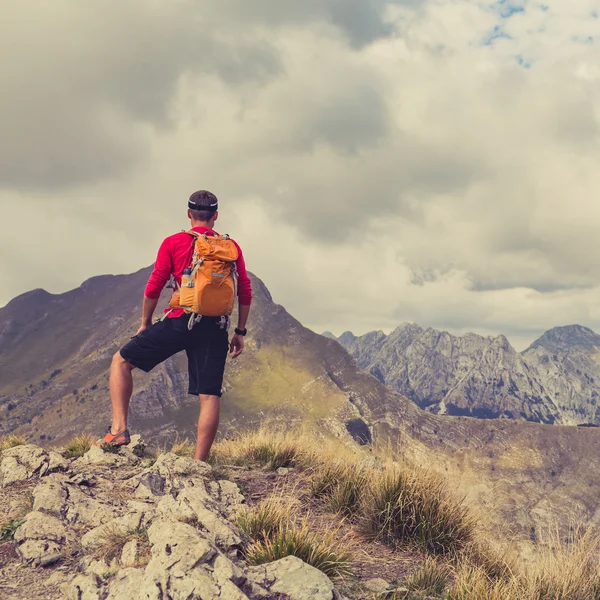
[427,161]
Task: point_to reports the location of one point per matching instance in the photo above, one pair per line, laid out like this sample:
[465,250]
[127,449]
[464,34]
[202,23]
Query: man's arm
[158,279]
[236,347]
[148,308]
[245,298]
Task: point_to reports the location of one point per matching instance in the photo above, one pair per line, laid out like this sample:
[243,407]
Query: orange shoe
[119,439]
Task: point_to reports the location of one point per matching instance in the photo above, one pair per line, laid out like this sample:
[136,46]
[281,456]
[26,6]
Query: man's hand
[236,347]
[143,328]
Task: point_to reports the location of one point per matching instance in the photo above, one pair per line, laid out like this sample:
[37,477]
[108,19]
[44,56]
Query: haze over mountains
[55,351]
[555,380]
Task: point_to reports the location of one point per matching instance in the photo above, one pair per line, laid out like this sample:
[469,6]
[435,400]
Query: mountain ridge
[552,381]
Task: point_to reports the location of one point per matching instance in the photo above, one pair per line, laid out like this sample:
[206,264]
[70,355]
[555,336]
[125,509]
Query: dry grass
[319,549]
[110,544]
[341,485]
[264,520]
[432,578]
[10,441]
[272,448]
[562,570]
[183,448]
[78,446]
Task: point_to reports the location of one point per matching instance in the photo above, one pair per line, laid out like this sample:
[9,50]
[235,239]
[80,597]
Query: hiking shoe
[120,439]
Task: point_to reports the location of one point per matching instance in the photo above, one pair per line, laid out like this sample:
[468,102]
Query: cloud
[431,161]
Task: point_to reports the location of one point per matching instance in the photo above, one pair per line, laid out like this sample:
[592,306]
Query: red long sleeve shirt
[175,255]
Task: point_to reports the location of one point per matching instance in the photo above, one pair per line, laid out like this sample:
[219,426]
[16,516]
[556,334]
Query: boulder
[40,536]
[24,462]
[294,578]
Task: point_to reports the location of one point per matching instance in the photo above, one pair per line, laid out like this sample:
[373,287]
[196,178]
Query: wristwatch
[241,332]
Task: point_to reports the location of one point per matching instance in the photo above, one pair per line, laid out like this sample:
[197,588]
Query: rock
[123,525]
[218,529]
[170,473]
[50,495]
[24,462]
[97,456]
[40,536]
[377,586]
[128,584]
[129,554]
[295,578]
[85,509]
[49,560]
[283,471]
[83,587]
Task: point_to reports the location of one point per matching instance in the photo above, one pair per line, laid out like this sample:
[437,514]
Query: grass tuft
[401,507]
[111,542]
[432,578]
[263,448]
[341,485]
[7,531]
[319,551]
[10,441]
[78,446]
[184,448]
[265,519]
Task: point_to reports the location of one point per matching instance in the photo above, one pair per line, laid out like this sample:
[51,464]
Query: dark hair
[202,215]
[203,205]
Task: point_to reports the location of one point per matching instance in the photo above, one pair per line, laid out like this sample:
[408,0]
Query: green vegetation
[7,531]
[400,506]
[317,549]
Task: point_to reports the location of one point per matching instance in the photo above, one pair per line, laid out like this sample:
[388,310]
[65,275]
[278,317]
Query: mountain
[55,351]
[556,380]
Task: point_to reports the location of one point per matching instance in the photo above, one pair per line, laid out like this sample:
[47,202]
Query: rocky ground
[108,526]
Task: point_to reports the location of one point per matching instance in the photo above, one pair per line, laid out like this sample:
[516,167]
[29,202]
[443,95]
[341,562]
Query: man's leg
[121,388]
[208,423]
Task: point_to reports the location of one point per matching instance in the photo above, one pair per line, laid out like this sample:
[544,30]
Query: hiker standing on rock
[207,271]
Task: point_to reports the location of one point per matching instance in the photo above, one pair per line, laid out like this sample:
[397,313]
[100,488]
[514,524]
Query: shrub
[432,578]
[320,551]
[11,440]
[406,507]
[265,519]
[78,446]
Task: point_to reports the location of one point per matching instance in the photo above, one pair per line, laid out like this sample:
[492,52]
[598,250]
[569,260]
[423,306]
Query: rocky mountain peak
[567,338]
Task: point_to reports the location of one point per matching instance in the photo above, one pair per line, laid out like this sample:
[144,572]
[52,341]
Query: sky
[431,161]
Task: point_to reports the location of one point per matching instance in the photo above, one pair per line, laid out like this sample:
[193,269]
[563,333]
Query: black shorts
[206,347]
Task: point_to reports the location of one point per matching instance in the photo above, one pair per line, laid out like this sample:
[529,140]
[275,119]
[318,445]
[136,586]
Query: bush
[401,507]
[320,551]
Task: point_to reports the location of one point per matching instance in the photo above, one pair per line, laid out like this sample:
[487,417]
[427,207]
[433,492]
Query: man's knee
[118,362]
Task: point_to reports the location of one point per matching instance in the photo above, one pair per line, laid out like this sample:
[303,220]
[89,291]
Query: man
[206,342]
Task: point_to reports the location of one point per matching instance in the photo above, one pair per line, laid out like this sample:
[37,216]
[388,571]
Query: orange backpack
[209,286]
